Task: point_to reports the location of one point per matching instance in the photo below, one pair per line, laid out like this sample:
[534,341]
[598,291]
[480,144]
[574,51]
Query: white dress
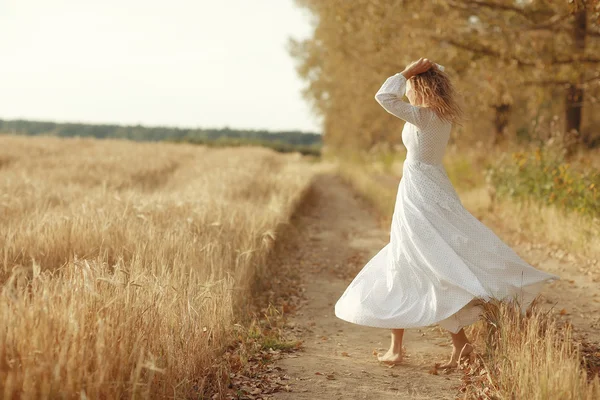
[440,261]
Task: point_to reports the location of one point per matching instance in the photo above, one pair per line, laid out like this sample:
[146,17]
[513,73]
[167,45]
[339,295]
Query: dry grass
[126,265]
[539,223]
[527,357]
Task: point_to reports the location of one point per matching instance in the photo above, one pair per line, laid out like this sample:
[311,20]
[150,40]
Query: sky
[186,63]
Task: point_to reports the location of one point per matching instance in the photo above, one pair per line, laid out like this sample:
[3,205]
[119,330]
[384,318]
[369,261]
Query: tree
[552,44]
[505,56]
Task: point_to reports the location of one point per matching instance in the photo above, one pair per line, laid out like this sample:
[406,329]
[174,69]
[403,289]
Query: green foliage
[282,147]
[284,141]
[548,178]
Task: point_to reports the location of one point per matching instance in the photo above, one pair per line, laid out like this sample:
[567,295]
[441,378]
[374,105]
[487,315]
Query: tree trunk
[501,122]
[575,92]
[574,102]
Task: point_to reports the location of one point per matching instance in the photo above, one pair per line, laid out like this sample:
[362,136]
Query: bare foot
[457,354]
[391,357]
[394,354]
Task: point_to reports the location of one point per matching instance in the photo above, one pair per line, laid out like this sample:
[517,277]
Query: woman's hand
[417,67]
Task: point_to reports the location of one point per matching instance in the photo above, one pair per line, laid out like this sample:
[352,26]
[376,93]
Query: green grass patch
[548,178]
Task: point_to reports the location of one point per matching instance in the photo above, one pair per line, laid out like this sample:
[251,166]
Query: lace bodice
[425,135]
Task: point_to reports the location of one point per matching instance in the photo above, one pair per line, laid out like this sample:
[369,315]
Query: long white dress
[440,261]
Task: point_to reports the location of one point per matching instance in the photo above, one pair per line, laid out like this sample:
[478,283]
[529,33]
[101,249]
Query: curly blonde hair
[434,89]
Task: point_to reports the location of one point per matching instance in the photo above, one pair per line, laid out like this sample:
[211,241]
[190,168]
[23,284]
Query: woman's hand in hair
[417,67]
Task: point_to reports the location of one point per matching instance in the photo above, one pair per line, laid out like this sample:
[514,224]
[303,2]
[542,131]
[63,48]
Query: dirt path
[337,233]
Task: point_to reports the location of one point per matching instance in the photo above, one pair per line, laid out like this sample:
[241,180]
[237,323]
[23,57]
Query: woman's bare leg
[394,354]
[460,348]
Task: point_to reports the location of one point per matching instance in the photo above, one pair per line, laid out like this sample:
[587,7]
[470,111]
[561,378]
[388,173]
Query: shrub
[549,178]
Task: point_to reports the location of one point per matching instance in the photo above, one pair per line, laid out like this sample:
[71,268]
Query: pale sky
[186,63]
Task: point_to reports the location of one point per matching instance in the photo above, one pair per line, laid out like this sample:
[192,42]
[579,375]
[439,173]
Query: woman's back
[425,134]
[428,143]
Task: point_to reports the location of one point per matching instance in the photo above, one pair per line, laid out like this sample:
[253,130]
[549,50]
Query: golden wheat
[529,357]
[125,265]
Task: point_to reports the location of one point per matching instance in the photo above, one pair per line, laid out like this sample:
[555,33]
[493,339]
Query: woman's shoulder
[435,122]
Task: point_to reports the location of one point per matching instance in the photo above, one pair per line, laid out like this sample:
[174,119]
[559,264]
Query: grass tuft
[527,356]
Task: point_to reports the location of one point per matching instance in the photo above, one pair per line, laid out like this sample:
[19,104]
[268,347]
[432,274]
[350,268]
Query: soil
[336,233]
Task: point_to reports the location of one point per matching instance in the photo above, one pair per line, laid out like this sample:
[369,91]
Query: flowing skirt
[439,264]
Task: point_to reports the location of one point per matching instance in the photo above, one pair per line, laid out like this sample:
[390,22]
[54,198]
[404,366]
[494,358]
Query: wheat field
[126,265]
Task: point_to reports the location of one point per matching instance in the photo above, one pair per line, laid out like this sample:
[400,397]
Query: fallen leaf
[434,370]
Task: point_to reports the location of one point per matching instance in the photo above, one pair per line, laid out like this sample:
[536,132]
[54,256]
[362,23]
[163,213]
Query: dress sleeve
[390,96]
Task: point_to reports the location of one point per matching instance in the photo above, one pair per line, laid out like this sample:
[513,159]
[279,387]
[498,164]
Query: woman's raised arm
[389,96]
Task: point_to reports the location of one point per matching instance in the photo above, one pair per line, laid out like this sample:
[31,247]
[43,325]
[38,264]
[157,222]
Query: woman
[441,261]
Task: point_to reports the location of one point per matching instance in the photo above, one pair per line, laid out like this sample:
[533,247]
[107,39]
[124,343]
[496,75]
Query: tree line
[523,68]
[305,142]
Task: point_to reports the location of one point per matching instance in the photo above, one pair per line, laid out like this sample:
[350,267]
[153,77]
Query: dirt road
[337,233]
